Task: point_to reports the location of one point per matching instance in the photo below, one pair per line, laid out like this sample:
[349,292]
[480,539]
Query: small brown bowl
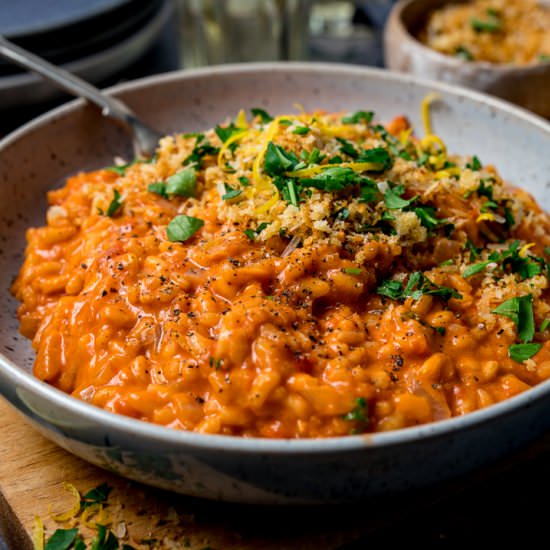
[527,85]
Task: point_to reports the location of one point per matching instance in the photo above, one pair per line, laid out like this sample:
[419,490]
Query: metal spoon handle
[145,138]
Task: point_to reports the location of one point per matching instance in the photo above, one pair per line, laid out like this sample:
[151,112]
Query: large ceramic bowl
[525,85]
[75,137]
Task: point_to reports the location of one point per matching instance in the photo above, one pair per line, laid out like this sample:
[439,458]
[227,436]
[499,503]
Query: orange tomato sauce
[231,335]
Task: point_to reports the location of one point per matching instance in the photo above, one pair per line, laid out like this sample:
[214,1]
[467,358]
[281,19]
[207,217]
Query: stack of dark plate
[94,39]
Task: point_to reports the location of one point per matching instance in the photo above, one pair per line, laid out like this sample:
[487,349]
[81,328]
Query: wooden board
[33,470]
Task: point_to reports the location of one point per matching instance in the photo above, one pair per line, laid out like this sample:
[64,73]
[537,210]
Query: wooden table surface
[502,504]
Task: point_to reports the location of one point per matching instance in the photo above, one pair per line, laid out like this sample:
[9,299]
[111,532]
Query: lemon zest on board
[38,534]
[72,512]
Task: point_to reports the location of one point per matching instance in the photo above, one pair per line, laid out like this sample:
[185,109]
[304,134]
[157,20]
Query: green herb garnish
[464,53]
[265,118]
[353,270]
[182,228]
[182,183]
[230,192]
[96,496]
[359,413]
[417,286]
[104,540]
[393,199]
[358,117]
[253,233]
[62,539]
[522,352]
[301,130]
[520,310]
[475,164]
[115,205]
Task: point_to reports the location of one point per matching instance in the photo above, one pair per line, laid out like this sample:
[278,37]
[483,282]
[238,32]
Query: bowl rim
[21,379]
[395,22]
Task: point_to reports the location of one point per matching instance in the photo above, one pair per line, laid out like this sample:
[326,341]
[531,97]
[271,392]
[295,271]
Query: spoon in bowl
[144,138]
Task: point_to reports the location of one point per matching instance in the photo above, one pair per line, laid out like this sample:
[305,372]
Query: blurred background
[111,41]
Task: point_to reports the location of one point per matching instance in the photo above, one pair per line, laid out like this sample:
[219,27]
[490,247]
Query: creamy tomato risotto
[497,31]
[306,275]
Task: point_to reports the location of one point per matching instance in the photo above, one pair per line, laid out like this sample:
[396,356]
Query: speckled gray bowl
[40,155]
[526,85]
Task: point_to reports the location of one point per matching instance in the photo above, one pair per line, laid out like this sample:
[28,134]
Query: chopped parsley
[358,117]
[301,130]
[522,352]
[182,183]
[509,260]
[353,270]
[359,413]
[475,164]
[464,53]
[202,149]
[182,228]
[62,539]
[253,233]
[427,217]
[417,286]
[265,118]
[491,24]
[115,205]
[96,495]
[120,169]
[520,310]
[544,325]
[159,188]
[277,161]
[104,540]
[227,132]
[393,199]
[230,192]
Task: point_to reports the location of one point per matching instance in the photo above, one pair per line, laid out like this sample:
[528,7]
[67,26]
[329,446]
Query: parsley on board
[104,540]
[62,539]
[182,228]
[96,495]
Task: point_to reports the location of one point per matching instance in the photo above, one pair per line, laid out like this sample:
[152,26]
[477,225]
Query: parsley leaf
[491,24]
[360,413]
[378,155]
[230,192]
[202,149]
[393,199]
[475,164]
[115,205]
[347,148]
[522,352]
[544,325]
[158,187]
[475,268]
[520,310]
[301,130]
[226,132]
[62,539]
[182,228]
[464,53]
[96,495]
[182,183]
[105,539]
[253,233]
[265,118]
[277,160]
[358,117]
[417,285]
[120,169]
